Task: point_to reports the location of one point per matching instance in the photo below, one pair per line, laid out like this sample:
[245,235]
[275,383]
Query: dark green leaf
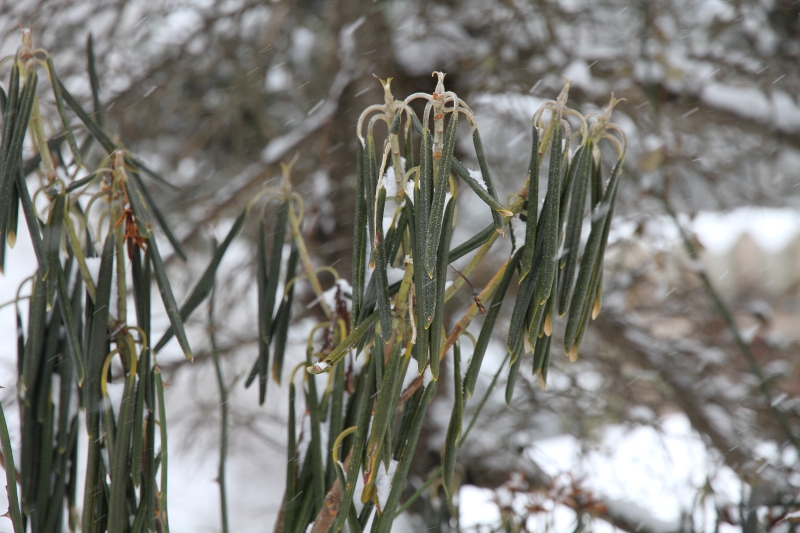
[454,428]
[359,236]
[167,297]
[533,206]
[387,517]
[439,283]
[487,177]
[572,234]
[441,187]
[204,285]
[488,325]
[384,305]
[62,112]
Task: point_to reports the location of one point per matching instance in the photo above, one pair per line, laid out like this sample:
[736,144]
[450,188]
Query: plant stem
[223,398]
[11,476]
[162,422]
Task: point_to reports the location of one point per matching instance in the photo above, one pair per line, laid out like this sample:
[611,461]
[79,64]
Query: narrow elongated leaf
[12,219]
[37,331]
[439,283]
[408,148]
[137,437]
[387,517]
[62,112]
[572,235]
[592,302]
[384,305]
[488,325]
[262,274]
[454,428]
[585,289]
[290,501]
[359,441]
[370,182]
[533,206]
[135,162]
[514,364]
[394,238]
[204,285]
[336,421]
[422,205]
[274,264]
[11,110]
[283,318]
[597,182]
[359,236]
[96,352]
[119,470]
[73,338]
[338,353]
[476,241]
[168,298]
[516,329]
[441,187]
[550,219]
[315,454]
[574,170]
[487,177]
[94,128]
[13,154]
[162,420]
[384,405]
[94,82]
[14,509]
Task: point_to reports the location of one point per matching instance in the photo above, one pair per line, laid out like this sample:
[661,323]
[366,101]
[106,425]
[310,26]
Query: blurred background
[671,420]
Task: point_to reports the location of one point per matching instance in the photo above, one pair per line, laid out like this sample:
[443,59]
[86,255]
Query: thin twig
[727,317]
[223,398]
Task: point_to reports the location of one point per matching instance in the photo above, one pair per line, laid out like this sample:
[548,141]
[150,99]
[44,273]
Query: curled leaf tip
[562,97]
[387,89]
[286,170]
[611,105]
[440,84]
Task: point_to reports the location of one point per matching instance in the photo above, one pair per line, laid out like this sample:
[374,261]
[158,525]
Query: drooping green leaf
[572,234]
[165,289]
[487,177]
[533,206]
[591,266]
[440,189]
[454,427]
[439,283]
[359,236]
[387,517]
[283,318]
[62,112]
[488,325]
[204,285]
[384,305]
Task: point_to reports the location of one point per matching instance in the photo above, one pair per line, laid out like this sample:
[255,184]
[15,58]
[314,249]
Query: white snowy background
[736,116]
